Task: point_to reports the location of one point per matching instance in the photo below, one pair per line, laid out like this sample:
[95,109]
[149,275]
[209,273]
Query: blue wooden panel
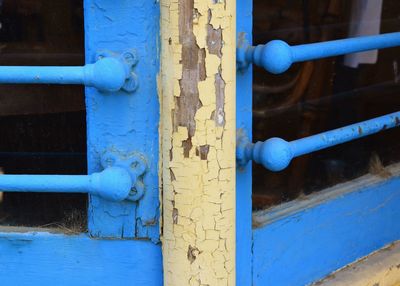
[51,259]
[125,123]
[309,242]
[244,125]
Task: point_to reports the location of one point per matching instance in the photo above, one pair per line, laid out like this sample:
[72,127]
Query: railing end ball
[275,154]
[109,74]
[114,184]
[276,57]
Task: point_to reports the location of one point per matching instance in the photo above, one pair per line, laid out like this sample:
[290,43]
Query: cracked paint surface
[124,123]
[197,90]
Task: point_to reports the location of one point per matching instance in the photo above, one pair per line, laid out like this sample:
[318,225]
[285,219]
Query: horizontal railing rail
[114,183]
[275,154]
[277,56]
[107,74]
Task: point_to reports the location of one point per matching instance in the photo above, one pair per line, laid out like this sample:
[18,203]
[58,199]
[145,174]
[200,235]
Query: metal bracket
[242,141]
[242,46]
[135,164]
[130,59]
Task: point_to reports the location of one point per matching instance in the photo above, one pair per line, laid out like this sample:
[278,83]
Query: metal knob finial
[275,154]
[277,56]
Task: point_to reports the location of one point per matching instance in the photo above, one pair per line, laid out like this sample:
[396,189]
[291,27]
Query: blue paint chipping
[275,154]
[125,123]
[304,246]
[37,258]
[277,56]
[244,83]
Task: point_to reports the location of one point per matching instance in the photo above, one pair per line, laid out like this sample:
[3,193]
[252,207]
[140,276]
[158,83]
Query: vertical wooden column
[124,124]
[197,91]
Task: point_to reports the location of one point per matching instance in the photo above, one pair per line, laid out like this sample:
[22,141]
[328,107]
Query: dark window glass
[317,96]
[43,127]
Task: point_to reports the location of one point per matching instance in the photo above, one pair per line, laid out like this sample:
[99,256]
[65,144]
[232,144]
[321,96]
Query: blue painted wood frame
[42,258]
[244,83]
[302,241]
[124,123]
[305,240]
[122,247]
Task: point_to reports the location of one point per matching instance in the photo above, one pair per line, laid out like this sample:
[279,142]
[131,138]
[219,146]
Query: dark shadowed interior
[318,96]
[43,127]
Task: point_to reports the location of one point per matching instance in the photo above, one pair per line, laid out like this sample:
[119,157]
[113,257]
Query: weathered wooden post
[197,91]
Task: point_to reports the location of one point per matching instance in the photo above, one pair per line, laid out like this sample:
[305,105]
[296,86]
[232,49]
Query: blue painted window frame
[300,242]
[244,83]
[122,245]
[122,123]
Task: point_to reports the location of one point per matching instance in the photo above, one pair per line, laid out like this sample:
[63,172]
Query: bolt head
[130,58]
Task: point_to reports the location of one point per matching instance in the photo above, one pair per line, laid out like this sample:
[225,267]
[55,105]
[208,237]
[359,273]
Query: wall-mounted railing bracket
[121,179]
[242,141]
[136,166]
[129,60]
[242,46]
[110,72]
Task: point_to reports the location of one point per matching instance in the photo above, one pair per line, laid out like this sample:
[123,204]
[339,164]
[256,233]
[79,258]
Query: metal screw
[131,58]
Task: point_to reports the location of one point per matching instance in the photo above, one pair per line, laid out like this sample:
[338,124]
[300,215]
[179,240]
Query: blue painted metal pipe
[277,56]
[275,154]
[107,74]
[114,183]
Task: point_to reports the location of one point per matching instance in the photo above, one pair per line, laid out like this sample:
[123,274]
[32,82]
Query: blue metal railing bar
[114,183]
[277,56]
[107,74]
[275,154]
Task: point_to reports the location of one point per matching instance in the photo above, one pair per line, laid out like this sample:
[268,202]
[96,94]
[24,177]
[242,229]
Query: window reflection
[317,96]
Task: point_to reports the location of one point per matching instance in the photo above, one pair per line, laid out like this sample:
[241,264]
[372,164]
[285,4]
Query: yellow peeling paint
[198,182]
